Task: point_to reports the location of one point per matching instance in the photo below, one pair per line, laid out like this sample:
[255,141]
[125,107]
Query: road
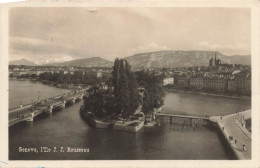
[233,126]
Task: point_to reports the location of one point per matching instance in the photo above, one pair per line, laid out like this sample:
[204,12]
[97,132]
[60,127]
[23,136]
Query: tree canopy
[124,98]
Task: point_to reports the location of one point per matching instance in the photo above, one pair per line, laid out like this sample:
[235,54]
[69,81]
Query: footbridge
[232,127]
[191,118]
[28,112]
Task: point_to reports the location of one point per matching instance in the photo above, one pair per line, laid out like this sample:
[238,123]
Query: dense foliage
[99,101]
[153,94]
[123,100]
[78,77]
[125,86]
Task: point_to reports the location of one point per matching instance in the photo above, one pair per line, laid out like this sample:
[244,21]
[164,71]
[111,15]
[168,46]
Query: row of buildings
[239,83]
[218,77]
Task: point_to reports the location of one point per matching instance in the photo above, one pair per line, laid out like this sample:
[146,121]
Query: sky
[46,35]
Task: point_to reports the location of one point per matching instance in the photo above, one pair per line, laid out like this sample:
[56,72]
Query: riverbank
[235,133]
[208,94]
[48,83]
[116,125]
[113,124]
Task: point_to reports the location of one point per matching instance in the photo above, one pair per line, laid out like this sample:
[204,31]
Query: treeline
[78,77]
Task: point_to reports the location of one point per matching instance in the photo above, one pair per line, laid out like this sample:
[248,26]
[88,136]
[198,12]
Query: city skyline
[45,35]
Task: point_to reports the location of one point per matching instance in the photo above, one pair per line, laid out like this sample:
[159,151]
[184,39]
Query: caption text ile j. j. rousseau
[46,149]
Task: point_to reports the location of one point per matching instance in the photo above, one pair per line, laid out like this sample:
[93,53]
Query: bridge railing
[25,106]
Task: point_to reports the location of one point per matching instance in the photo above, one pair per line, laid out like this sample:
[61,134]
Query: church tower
[215,61]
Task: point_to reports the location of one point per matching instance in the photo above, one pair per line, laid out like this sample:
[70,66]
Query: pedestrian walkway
[235,132]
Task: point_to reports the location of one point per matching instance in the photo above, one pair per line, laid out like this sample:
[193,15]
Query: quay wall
[119,127]
[208,94]
[224,139]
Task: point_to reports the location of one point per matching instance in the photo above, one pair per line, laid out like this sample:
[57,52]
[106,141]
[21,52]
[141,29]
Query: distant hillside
[168,59]
[21,62]
[87,62]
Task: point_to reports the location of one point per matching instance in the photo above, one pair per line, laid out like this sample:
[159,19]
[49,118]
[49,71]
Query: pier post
[170,120]
[190,121]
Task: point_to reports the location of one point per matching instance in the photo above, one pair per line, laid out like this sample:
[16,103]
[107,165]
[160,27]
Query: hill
[171,58]
[21,62]
[86,62]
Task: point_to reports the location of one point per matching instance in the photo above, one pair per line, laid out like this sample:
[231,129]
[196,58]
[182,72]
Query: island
[127,102]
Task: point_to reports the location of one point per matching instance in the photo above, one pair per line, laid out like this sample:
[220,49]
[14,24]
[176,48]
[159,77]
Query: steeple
[215,59]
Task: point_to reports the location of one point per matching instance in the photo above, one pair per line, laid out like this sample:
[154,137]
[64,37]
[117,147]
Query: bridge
[28,112]
[171,116]
[232,127]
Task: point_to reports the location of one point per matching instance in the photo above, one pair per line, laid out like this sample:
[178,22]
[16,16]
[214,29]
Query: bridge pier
[73,100]
[49,110]
[63,104]
[190,121]
[171,120]
[30,118]
[81,97]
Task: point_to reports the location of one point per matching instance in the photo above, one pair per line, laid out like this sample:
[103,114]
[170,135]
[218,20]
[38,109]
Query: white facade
[167,81]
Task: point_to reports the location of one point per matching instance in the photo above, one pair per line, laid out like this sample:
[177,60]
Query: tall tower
[215,62]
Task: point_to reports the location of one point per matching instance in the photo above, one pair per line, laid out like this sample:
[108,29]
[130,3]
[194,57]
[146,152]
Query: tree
[123,92]
[115,81]
[134,96]
[153,95]
[127,98]
[146,107]
[95,102]
[122,98]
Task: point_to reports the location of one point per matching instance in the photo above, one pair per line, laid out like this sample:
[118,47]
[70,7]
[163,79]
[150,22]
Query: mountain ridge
[22,62]
[181,58]
[160,59]
[89,62]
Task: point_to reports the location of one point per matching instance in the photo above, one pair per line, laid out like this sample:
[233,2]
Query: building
[183,81]
[196,82]
[240,82]
[214,62]
[215,83]
[99,74]
[168,81]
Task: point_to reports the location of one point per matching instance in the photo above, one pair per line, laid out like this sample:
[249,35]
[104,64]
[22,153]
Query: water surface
[67,129]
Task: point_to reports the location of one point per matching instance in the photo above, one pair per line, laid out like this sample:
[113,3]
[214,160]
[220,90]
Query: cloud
[147,48]
[42,51]
[229,49]
[63,33]
[42,58]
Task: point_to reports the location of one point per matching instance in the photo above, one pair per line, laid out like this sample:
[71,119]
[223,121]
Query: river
[26,92]
[66,128]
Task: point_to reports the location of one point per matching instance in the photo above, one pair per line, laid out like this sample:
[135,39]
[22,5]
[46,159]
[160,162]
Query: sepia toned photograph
[129,83]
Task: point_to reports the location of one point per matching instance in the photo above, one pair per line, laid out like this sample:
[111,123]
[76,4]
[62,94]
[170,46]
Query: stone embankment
[233,128]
